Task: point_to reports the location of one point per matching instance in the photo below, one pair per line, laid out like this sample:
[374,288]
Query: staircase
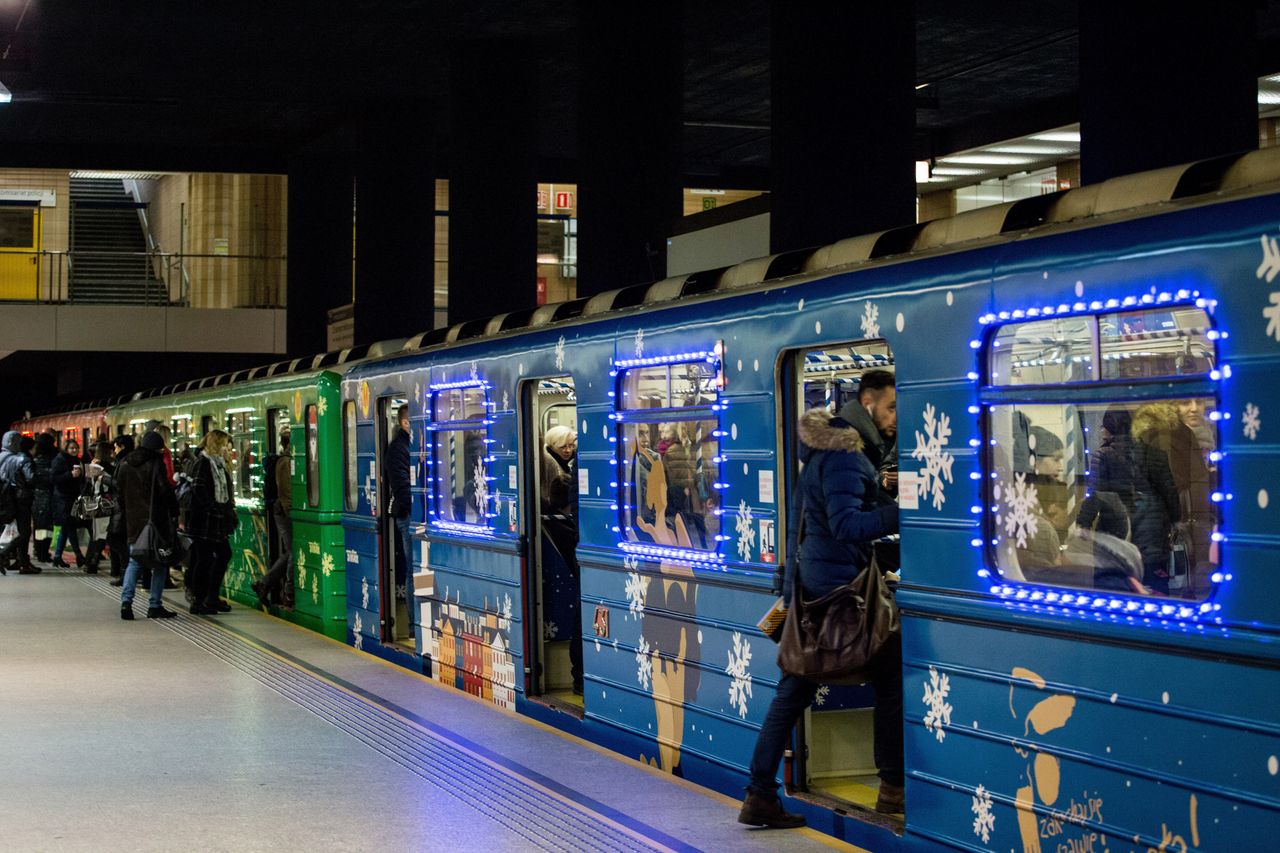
[108,261]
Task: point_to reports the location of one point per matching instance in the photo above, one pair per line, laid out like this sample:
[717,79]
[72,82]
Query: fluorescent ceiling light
[5,95]
[1268,96]
[948,171]
[1027,148]
[986,160]
[922,171]
[1058,136]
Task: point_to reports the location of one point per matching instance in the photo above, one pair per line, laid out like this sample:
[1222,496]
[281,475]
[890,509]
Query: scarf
[221,494]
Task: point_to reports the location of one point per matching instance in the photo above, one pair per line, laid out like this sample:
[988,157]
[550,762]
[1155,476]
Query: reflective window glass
[1106,496]
[313,457]
[645,388]
[669,476]
[460,404]
[462,487]
[694,384]
[239,426]
[1042,352]
[1155,342]
[349,459]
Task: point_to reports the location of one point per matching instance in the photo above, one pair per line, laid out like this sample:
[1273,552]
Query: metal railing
[142,278]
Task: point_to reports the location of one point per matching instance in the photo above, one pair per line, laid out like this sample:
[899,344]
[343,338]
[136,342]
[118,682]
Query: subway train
[1090,571]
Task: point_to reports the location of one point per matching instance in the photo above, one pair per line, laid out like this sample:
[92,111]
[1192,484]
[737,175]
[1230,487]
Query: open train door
[393,561]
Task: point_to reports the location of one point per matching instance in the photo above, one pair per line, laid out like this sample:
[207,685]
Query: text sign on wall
[564,201]
[46,198]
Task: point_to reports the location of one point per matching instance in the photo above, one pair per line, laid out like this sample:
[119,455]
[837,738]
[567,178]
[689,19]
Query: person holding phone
[67,475]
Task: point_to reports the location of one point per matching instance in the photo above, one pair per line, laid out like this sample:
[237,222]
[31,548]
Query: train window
[1155,342]
[459,449]
[349,460]
[206,425]
[1099,491]
[239,426]
[688,384]
[180,433]
[313,457]
[830,376]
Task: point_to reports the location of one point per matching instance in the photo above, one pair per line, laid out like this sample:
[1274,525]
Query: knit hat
[151,440]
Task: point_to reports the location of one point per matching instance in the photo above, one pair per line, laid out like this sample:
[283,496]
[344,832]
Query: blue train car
[1089,557]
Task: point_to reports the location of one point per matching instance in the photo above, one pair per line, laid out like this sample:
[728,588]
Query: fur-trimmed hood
[1154,423]
[820,431]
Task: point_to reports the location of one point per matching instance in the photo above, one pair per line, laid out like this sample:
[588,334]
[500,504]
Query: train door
[277,423]
[834,759]
[552,589]
[393,560]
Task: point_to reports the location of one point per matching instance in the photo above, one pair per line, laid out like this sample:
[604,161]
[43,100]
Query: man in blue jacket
[18,476]
[843,514]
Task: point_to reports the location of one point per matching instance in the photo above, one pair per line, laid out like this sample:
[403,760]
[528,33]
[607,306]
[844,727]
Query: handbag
[1181,547]
[85,508]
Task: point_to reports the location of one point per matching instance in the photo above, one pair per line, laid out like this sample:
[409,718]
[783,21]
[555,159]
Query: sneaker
[760,810]
[160,613]
[891,799]
[126,612]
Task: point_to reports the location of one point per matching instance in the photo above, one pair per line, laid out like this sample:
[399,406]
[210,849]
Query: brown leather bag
[833,638]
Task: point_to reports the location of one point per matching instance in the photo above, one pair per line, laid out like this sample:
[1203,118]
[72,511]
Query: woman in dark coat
[42,505]
[211,522]
[842,517]
[68,479]
[99,484]
[1156,507]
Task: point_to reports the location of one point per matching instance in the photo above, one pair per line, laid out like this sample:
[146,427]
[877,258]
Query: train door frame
[385,405]
[532,427]
[791,405]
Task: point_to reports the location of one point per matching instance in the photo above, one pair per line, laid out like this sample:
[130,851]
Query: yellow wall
[55,227]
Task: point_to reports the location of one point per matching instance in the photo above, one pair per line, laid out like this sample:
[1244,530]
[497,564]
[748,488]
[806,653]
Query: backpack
[270,492]
[186,478]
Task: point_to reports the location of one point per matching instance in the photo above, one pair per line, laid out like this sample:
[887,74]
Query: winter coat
[209,519]
[42,504]
[15,467]
[1195,482]
[874,447]
[1112,469]
[140,476]
[284,483]
[1156,507]
[395,473]
[558,484]
[839,497]
[66,488]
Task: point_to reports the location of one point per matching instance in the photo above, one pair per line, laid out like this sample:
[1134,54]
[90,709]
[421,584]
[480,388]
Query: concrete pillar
[493,228]
[395,223]
[319,278]
[630,88]
[1158,89]
[843,116]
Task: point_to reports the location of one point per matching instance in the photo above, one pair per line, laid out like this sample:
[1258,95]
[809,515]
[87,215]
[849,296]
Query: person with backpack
[16,493]
[210,522]
[276,587]
[145,497]
[42,504]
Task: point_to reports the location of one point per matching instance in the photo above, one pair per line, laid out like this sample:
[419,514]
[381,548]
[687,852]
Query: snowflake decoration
[358,640]
[644,663]
[1268,269]
[417,393]
[746,533]
[506,607]
[739,663]
[870,321]
[549,630]
[1252,421]
[560,353]
[637,591]
[482,487]
[322,406]
[302,569]
[935,696]
[402,592]
[820,698]
[364,593]
[475,371]
[1020,502]
[639,343]
[315,589]
[506,400]
[326,564]
[930,450]
[986,819]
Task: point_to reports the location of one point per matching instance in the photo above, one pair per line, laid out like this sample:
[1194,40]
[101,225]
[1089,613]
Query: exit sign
[564,201]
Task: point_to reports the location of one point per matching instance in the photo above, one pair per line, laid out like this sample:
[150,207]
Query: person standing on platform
[42,502]
[16,477]
[145,496]
[276,587]
[210,523]
[117,544]
[99,484]
[68,479]
[395,473]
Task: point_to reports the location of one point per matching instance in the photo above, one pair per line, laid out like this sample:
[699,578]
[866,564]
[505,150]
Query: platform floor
[244,733]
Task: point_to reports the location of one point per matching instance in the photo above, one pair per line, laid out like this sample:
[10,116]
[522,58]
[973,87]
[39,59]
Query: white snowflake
[475,371]
[326,564]
[315,589]
[639,343]
[549,630]
[870,321]
[746,532]
[739,663]
[417,393]
[986,819]
[930,450]
[302,568]
[935,696]
[506,400]
[1268,269]
[322,406]
[820,698]
[358,638]
[506,607]
[1020,504]
[402,592]
[637,590]
[482,488]
[1252,421]
[560,353]
[644,663]
[364,593]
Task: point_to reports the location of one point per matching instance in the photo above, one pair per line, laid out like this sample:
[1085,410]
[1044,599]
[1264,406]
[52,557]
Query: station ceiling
[242,84]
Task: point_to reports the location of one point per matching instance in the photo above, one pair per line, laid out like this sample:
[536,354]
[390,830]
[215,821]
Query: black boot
[126,612]
[25,568]
[160,613]
[759,810]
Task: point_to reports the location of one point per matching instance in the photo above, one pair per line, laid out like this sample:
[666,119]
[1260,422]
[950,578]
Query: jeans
[795,694]
[158,574]
[68,532]
[404,546]
[279,581]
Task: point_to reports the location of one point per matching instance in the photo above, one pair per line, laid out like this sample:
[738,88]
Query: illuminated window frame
[435,481]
